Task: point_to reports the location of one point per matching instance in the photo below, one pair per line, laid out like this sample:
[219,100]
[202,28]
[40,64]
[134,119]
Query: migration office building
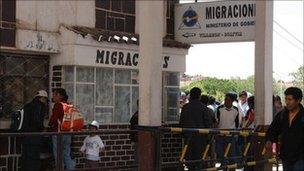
[99,69]
[90,48]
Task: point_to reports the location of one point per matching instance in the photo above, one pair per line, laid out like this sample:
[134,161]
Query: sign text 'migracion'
[231,11]
[122,58]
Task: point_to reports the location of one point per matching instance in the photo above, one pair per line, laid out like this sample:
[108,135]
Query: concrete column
[150,18]
[164,23]
[263,72]
[263,62]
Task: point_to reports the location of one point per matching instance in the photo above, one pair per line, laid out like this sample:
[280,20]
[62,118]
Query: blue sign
[190,18]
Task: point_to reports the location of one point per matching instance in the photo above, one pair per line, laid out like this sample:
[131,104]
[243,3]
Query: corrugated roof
[120,37]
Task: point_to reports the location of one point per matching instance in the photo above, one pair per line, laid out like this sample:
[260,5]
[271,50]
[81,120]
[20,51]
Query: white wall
[47,15]
[86,13]
[26,14]
[164,14]
[76,50]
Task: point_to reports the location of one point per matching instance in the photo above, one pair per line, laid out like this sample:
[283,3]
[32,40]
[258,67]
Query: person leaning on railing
[33,122]
[194,115]
[289,125]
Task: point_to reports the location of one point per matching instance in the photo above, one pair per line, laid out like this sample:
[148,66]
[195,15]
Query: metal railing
[59,135]
[206,156]
[251,138]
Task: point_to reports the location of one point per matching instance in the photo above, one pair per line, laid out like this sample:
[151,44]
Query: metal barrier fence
[213,132]
[158,131]
[59,161]
[246,161]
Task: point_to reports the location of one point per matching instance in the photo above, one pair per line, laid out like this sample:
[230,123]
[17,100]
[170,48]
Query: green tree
[298,77]
[219,87]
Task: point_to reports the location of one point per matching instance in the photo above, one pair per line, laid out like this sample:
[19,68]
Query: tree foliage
[298,77]
[219,87]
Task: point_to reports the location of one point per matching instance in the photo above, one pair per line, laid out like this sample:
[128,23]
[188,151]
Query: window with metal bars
[7,22]
[21,76]
[109,95]
[170,18]
[115,15]
[119,15]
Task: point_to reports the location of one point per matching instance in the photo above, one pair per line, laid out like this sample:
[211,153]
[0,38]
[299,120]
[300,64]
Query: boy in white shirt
[92,145]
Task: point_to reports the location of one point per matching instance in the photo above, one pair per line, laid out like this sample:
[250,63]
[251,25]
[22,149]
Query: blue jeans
[67,160]
[296,166]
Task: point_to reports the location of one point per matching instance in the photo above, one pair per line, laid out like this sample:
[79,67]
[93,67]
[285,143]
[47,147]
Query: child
[92,145]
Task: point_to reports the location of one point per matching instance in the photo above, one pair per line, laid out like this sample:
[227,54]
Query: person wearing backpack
[289,126]
[34,113]
[60,97]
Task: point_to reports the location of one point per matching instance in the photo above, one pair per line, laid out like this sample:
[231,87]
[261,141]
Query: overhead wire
[288,32]
[288,40]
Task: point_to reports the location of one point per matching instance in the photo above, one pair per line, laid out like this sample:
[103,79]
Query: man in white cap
[34,113]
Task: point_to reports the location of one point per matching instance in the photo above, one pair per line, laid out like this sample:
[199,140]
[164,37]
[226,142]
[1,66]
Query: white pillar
[263,62]
[150,27]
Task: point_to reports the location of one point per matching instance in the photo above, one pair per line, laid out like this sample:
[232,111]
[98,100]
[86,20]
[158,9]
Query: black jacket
[291,138]
[133,124]
[34,113]
[195,115]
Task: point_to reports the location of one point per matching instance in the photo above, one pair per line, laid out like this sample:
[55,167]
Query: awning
[120,37]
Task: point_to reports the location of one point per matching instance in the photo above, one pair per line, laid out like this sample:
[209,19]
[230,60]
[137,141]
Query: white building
[88,47]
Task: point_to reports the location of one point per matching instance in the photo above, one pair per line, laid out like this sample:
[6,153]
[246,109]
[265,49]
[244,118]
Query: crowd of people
[32,147]
[237,112]
[197,111]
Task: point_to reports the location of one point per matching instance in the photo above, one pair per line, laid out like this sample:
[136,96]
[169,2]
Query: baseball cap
[41,93]
[95,123]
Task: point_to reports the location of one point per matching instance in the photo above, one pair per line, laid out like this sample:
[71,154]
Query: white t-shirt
[227,117]
[243,108]
[92,146]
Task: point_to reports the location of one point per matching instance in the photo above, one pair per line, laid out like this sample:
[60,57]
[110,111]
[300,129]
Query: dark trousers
[91,164]
[30,157]
[194,152]
[220,147]
[294,166]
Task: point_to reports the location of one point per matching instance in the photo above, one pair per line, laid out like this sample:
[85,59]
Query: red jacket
[57,115]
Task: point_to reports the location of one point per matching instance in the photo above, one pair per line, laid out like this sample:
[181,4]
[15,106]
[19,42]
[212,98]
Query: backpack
[17,120]
[72,119]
